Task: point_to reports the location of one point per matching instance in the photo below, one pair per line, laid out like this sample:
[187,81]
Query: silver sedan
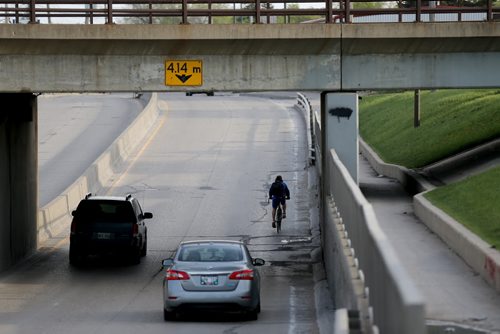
[211,275]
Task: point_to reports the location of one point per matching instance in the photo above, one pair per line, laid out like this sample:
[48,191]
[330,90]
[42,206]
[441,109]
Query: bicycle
[279,217]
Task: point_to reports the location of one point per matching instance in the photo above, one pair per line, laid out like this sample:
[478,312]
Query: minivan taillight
[135,230]
[176,275]
[246,274]
[73,226]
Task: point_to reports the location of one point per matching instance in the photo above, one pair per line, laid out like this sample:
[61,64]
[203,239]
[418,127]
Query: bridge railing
[240,11]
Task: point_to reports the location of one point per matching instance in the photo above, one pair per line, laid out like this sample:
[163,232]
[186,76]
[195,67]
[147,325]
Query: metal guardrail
[231,11]
[305,104]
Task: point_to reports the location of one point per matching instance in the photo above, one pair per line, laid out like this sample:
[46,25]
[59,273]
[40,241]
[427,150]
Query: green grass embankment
[451,121]
[475,203]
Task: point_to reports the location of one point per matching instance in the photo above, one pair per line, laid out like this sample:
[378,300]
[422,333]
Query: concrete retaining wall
[55,217]
[472,249]
[411,181]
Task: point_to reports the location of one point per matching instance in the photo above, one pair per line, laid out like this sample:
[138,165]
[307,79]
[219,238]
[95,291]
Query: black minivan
[108,225]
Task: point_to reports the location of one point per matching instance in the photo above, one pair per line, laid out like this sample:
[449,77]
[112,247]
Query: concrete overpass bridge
[97,58]
[116,58]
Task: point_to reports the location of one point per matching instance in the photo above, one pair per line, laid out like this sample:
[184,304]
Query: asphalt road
[73,130]
[204,174]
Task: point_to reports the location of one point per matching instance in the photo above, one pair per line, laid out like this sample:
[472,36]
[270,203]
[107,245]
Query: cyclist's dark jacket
[279,190]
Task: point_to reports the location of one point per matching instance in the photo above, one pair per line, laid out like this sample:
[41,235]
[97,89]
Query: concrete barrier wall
[362,267]
[472,249]
[397,305]
[55,217]
[341,322]
[339,261]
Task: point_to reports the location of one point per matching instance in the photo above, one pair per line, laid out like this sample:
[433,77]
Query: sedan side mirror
[147,215]
[73,213]
[167,262]
[258,262]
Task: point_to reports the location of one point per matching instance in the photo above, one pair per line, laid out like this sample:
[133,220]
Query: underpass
[211,184]
[281,57]
[343,57]
[291,257]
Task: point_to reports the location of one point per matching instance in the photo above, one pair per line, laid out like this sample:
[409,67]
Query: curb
[411,180]
[464,157]
[473,250]
[55,217]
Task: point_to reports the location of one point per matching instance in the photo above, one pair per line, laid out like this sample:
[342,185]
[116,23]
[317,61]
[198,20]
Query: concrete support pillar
[340,124]
[339,130]
[18,176]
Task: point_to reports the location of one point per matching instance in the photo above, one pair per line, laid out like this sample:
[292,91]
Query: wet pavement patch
[287,268]
[448,328]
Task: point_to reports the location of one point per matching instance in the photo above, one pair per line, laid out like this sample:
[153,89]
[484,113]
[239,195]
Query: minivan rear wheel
[135,256]
[144,246]
[75,257]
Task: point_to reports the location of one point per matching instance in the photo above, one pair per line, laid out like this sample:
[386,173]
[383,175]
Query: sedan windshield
[211,253]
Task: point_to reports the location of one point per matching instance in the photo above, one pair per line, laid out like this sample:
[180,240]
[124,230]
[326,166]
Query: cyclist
[279,193]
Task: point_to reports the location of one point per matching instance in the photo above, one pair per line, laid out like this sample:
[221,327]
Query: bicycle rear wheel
[279,217]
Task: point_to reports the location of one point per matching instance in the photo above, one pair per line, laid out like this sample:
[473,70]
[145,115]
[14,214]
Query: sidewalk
[453,292]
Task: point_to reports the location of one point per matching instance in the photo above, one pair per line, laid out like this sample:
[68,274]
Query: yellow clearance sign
[183,73]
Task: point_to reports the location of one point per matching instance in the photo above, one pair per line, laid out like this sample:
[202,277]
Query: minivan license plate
[209,280]
[101,235]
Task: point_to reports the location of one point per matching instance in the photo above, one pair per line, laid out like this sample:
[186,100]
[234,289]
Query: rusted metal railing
[241,11]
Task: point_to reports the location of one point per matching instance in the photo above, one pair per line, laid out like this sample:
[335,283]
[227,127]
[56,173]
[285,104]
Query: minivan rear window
[106,211]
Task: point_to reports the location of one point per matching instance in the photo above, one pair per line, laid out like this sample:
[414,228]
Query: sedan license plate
[209,280]
[103,236]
